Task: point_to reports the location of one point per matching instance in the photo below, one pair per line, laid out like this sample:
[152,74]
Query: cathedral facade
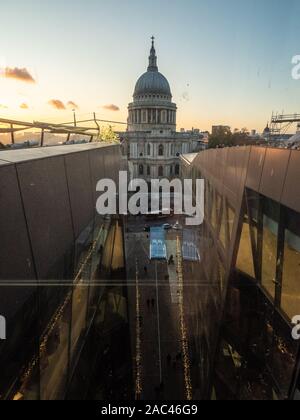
[152,144]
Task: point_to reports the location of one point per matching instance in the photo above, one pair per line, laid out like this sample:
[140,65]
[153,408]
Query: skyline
[226,64]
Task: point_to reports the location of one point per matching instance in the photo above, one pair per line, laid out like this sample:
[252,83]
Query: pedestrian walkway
[161,374]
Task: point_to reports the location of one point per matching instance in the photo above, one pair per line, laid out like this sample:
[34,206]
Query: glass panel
[222,274]
[290,298]
[245,255]
[253,204]
[218,206]
[96,289]
[79,314]
[214,218]
[108,249]
[19,307]
[223,228]
[252,327]
[229,363]
[117,262]
[30,388]
[54,352]
[231,219]
[283,356]
[269,253]
[50,296]
[218,281]
[249,335]
[84,259]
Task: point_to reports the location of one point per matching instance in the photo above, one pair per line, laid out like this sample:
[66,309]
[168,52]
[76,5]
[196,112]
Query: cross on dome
[152,57]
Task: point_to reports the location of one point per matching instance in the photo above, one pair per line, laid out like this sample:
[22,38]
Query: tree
[108,135]
[241,138]
[221,137]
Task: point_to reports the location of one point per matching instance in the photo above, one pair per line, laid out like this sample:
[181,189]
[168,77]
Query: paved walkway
[162,375]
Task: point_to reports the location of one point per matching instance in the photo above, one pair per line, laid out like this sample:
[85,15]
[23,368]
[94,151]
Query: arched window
[141,170]
[161,171]
[148,170]
[177,169]
[161,150]
[149,150]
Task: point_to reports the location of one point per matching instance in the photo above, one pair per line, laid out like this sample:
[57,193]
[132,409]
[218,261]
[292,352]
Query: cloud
[20,74]
[57,104]
[24,106]
[111,107]
[3,106]
[72,105]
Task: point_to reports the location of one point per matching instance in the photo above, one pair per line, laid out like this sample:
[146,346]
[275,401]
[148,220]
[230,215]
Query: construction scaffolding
[281,123]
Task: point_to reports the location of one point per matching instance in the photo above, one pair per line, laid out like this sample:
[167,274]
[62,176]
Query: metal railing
[90,133]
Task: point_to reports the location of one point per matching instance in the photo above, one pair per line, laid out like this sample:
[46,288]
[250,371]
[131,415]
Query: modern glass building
[252,235]
[65,319]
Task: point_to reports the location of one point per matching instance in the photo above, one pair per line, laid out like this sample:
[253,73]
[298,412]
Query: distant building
[255,136]
[152,144]
[267,132]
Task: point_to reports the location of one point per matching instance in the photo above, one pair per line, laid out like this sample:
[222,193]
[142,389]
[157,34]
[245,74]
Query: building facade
[52,320]
[251,255]
[151,142]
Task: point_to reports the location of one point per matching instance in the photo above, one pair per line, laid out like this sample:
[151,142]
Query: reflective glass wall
[50,271]
[251,228]
[257,357]
[90,312]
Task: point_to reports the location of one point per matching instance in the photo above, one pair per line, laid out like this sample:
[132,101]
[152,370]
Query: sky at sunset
[228,62]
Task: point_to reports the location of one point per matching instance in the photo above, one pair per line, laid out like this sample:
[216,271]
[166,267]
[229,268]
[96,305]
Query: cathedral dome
[152,82]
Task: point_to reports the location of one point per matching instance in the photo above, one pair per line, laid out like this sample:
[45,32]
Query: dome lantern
[152,82]
[152,58]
